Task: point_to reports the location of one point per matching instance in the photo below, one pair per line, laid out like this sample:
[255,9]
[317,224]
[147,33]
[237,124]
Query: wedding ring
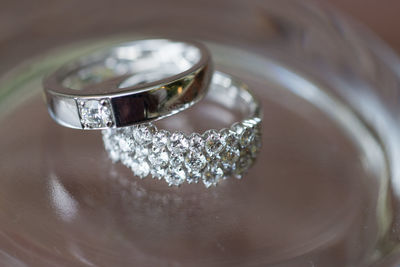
[88,94]
[208,157]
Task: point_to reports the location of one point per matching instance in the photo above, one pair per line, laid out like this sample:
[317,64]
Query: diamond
[196,142]
[159,159]
[143,134]
[141,151]
[176,159]
[127,158]
[229,156]
[229,137]
[95,113]
[159,171]
[178,143]
[212,175]
[160,140]
[126,143]
[237,128]
[195,161]
[245,133]
[246,137]
[214,144]
[140,167]
[255,146]
[193,176]
[243,164]
[175,176]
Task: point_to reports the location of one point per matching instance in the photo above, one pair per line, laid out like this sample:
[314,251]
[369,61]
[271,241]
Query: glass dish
[323,192]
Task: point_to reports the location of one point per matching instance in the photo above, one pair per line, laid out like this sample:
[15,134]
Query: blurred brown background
[31,27]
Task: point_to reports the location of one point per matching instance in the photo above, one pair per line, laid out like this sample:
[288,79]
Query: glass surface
[323,191]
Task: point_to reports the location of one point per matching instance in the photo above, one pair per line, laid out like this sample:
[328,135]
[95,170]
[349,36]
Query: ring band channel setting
[89,93]
[208,157]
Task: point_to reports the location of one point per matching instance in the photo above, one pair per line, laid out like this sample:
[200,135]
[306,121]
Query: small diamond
[229,156]
[237,128]
[175,176]
[243,164]
[176,159]
[140,167]
[143,134]
[126,143]
[245,133]
[159,159]
[193,176]
[159,171]
[212,175]
[160,140]
[229,137]
[255,146]
[127,158]
[196,142]
[246,137]
[95,113]
[141,151]
[195,161]
[178,143]
[214,144]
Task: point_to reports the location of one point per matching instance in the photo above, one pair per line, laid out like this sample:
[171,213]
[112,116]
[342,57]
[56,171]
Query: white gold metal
[208,157]
[93,92]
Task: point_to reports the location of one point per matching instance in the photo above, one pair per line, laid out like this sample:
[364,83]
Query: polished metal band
[90,94]
[207,157]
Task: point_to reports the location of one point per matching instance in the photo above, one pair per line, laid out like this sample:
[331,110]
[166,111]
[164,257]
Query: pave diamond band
[208,157]
[94,92]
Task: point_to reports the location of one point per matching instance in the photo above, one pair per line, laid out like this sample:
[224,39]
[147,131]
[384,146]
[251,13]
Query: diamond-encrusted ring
[208,157]
[89,93]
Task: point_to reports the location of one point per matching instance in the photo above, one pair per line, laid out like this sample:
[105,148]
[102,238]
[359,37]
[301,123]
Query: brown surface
[32,27]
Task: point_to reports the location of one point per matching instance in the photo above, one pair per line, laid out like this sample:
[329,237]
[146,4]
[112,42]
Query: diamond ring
[208,157]
[90,94]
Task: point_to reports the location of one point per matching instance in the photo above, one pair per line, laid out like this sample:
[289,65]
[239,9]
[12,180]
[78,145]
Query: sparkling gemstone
[140,167]
[193,176]
[143,134]
[214,143]
[159,159]
[212,175]
[178,143]
[158,171]
[195,161]
[175,176]
[95,113]
[196,142]
[237,128]
[229,156]
[246,137]
[126,143]
[255,146]
[229,137]
[176,159]
[127,158]
[160,140]
[141,151]
[243,164]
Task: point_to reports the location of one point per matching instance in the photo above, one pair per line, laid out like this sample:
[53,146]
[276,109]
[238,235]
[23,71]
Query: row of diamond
[176,157]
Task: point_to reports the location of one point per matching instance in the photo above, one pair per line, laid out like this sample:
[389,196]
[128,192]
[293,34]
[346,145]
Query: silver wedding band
[89,93]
